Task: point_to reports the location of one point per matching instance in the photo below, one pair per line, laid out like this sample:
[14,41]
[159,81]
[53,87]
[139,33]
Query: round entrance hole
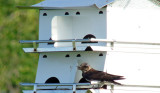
[52,80]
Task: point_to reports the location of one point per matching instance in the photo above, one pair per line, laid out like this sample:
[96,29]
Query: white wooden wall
[57,25]
[60,26]
[135,20]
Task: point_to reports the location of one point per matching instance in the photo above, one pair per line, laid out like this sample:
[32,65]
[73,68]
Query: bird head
[84,67]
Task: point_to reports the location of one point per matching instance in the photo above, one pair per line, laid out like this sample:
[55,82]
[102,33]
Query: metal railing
[112,42]
[74,85]
[90,40]
[34,42]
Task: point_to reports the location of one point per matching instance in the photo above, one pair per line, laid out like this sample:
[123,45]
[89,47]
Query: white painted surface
[57,25]
[65,49]
[64,68]
[131,20]
[135,20]
[60,4]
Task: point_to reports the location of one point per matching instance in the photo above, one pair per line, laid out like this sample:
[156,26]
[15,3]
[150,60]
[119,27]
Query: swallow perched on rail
[91,74]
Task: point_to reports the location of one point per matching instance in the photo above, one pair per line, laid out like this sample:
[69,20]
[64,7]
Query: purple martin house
[75,31]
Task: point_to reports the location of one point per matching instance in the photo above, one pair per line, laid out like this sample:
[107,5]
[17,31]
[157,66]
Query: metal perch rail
[74,85]
[112,42]
[89,40]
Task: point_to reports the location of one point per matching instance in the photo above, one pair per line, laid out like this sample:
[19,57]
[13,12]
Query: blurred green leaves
[17,24]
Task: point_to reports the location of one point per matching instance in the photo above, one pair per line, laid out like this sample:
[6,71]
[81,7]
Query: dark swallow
[91,74]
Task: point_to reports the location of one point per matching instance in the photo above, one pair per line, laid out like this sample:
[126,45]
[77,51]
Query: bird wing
[114,77]
[100,76]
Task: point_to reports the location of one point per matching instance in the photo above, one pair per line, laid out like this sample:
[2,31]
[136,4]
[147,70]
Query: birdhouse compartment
[61,67]
[72,24]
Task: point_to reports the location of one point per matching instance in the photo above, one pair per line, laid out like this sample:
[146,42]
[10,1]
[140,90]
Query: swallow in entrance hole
[91,74]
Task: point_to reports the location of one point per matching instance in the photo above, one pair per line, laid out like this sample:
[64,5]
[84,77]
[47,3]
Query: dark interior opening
[101,54]
[44,14]
[78,55]
[67,55]
[44,56]
[100,12]
[88,48]
[89,36]
[52,80]
[77,13]
[51,42]
[66,13]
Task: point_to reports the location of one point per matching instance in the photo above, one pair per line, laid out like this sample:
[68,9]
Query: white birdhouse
[71,24]
[70,20]
[75,31]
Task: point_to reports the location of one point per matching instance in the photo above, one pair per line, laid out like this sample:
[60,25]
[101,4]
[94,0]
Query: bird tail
[121,77]
[114,82]
[118,78]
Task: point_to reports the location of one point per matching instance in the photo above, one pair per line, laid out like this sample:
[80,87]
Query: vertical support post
[34,46]
[112,45]
[112,88]
[74,88]
[35,88]
[74,45]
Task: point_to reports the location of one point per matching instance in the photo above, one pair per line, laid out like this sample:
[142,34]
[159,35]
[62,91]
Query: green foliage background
[17,24]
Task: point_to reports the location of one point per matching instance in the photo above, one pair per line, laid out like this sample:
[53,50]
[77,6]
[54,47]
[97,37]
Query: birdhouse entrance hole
[89,36]
[52,80]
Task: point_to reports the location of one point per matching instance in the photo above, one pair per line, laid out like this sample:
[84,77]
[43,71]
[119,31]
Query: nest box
[75,31]
[65,20]
[70,23]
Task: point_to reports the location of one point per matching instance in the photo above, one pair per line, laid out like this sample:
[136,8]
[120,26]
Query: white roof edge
[58,8]
[68,4]
[40,7]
